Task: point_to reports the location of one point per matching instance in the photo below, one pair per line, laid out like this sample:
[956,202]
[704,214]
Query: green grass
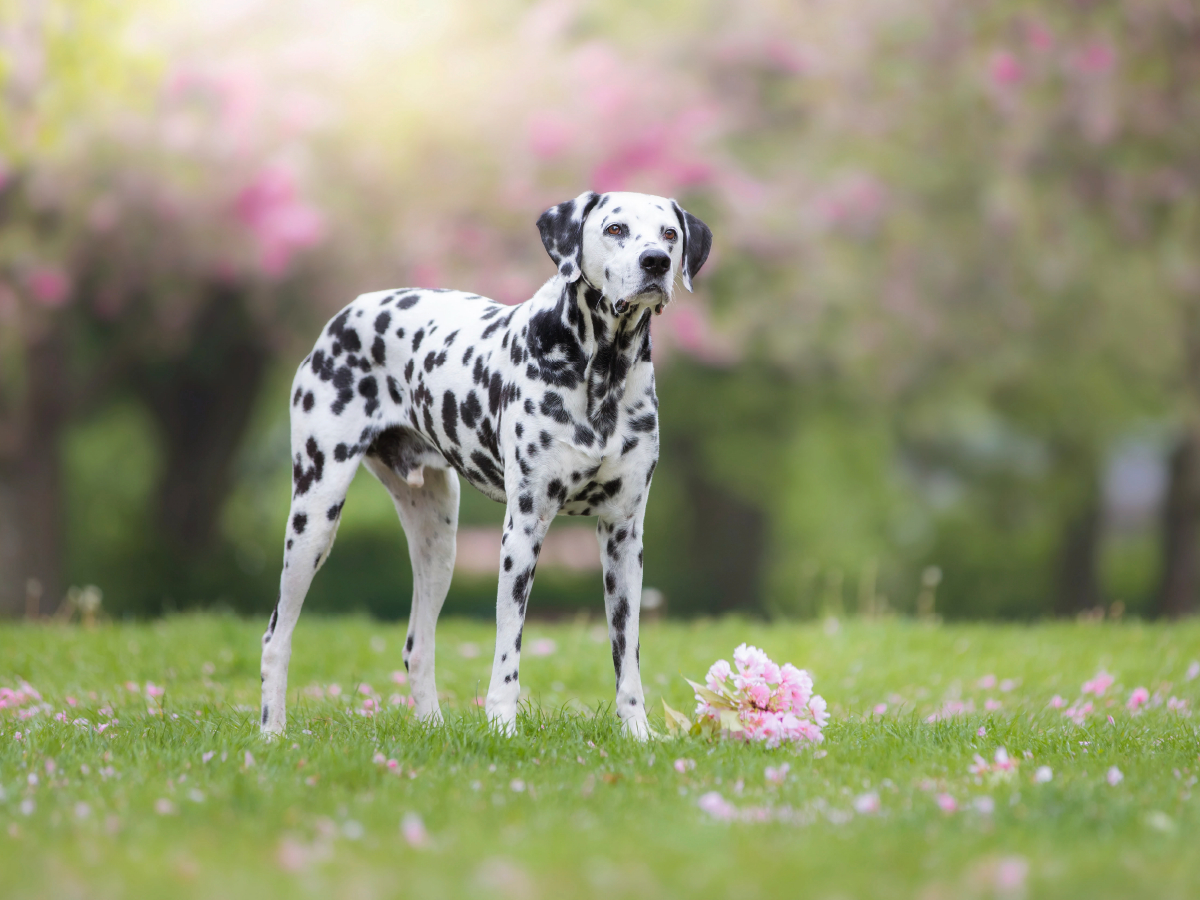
[569,807]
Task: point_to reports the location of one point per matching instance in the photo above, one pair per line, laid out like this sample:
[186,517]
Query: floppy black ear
[561,228]
[697,241]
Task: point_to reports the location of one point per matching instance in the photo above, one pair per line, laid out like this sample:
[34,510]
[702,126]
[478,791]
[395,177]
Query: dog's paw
[638,729]
[432,717]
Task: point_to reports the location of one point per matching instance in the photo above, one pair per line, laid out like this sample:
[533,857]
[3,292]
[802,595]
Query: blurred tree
[933,222]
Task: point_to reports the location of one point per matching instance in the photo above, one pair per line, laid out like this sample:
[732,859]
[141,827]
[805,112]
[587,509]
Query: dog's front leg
[525,527]
[621,556]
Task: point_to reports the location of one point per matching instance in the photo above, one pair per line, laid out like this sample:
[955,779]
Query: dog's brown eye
[670,234]
[613,229]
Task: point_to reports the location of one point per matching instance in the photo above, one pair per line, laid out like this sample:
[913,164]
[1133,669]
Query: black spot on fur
[343,380]
[552,406]
[519,585]
[369,388]
[299,521]
[470,410]
[450,416]
[302,476]
[643,423]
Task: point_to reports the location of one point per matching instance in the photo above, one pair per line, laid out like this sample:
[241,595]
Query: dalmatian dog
[548,407]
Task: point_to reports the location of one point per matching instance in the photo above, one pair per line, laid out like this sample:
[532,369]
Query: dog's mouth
[646,292]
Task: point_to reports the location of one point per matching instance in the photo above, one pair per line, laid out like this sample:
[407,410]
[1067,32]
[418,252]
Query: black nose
[655,262]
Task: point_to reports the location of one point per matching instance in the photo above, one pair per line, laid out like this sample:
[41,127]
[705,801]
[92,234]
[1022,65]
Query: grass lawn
[179,796]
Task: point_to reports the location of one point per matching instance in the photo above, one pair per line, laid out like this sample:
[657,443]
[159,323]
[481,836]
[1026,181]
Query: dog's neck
[606,347]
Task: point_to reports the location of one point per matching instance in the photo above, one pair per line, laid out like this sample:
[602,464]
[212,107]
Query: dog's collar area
[620,307]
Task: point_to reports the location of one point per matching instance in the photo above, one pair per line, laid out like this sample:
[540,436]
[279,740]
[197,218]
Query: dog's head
[629,246]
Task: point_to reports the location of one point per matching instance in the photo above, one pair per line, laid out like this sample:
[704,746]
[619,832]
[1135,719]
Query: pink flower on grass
[684,765]
[1114,776]
[1098,685]
[946,803]
[153,690]
[1137,698]
[718,672]
[1043,775]
[292,855]
[1176,704]
[717,806]
[543,647]
[778,774]
[399,677]
[1010,875]
[1078,714]
[867,804]
[1193,672]
[413,830]
[758,700]
[1057,702]
[982,732]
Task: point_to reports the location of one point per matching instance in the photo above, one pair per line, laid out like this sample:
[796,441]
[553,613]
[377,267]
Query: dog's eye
[669,234]
[613,229]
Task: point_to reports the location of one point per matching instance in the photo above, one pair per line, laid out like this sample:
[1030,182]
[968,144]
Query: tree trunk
[1078,586]
[202,404]
[1181,513]
[31,513]
[727,544]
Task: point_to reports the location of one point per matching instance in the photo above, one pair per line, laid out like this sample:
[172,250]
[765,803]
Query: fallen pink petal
[412,827]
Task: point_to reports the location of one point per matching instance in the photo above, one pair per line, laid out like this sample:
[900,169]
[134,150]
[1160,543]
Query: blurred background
[944,358]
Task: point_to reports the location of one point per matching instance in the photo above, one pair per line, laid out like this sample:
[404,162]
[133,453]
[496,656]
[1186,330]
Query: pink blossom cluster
[371,701]
[1002,767]
[1139,698]
[771,703]
[23,701]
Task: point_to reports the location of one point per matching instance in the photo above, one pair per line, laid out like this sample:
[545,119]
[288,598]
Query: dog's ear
[561,228]
[697,241]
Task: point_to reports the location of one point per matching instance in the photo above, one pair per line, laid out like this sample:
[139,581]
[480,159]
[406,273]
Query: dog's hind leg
[322,470]
[426,500]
